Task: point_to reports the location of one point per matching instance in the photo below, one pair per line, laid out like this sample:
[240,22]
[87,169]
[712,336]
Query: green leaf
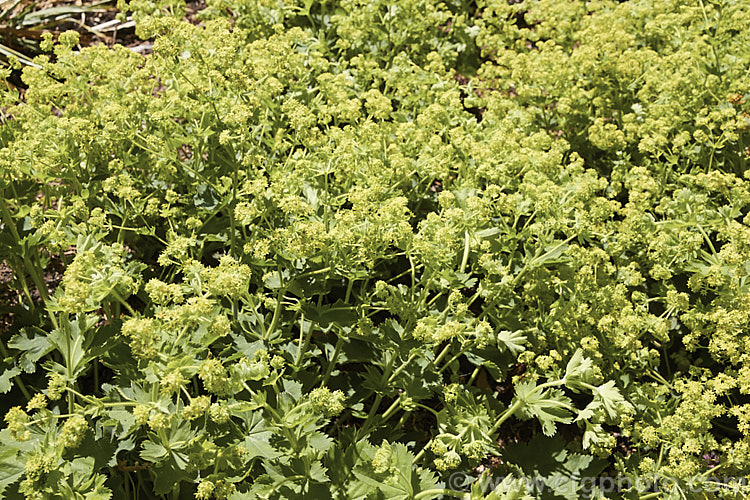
[510,488]
[402,480]
[257,439]
[273,280]
[318,473]
[487,233]
[122,445]
[557,469]
[6,379]
[34,348]
[205,197]
[166,474]
[319,441]
[75,342]
[153,452]
[578,370]
[338,313]
[418,381]
[513,341]
[592,434]
[549,406]
[292,388]
[12,467]
[610,398]
[100,450]
[395,492]
[588,412]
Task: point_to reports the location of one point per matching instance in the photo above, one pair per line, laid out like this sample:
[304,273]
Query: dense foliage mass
[360,248]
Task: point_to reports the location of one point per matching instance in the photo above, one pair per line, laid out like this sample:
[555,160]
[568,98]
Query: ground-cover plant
[351,249]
